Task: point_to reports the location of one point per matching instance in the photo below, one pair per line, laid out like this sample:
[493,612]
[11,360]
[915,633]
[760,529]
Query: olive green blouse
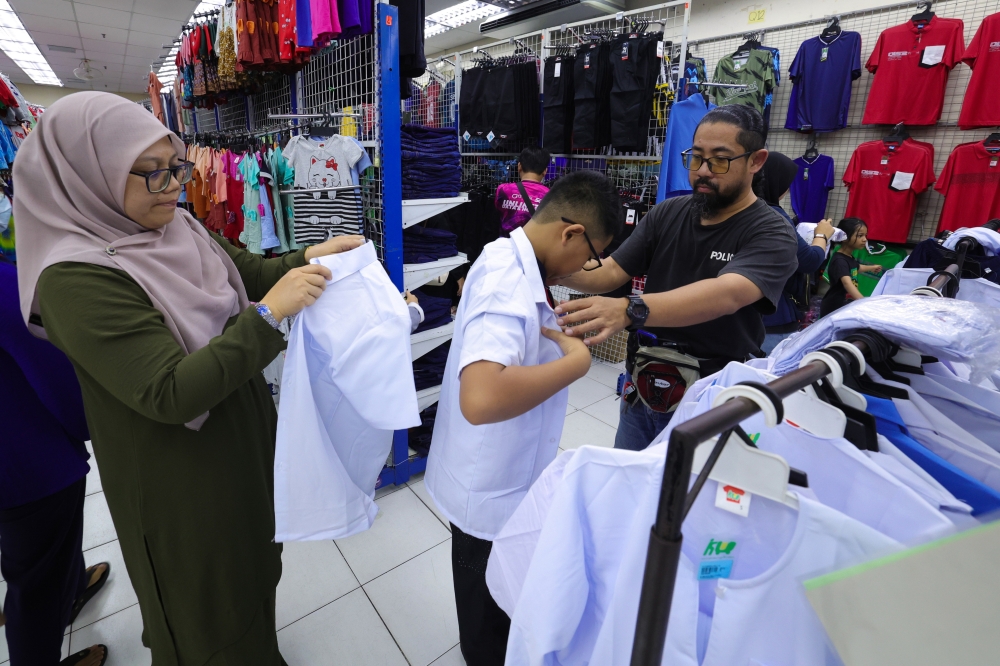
[193,509]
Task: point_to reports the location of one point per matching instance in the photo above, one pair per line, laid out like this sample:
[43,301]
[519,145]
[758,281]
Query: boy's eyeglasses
[718,165]
[594,255]
[159,180]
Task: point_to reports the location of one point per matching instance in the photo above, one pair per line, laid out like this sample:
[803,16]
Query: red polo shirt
[981,107]
[906,88]
[970,183]
[887,212]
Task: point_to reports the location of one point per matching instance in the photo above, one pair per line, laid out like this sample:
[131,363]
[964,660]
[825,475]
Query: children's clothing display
[822,74]
[592,80]
[811,187]
[884,180]
[911,63]
[970,183]
[635,70]
[981,106]
[340,370]
[755,71]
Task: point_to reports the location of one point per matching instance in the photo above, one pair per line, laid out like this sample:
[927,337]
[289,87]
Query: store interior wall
[46,95]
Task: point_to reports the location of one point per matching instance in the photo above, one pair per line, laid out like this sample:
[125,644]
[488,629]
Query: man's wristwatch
[265,312]
[637,311]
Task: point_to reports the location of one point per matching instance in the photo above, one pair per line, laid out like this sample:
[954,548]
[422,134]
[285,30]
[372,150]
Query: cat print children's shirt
[330,162]
[325,163]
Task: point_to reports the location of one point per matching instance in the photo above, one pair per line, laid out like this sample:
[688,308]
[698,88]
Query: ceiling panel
[125,5]
[52,8]
[147,39]
[156,25]
[180,10]
[49,24]
[43,39]
[91,31]
[102,16]
[101,47]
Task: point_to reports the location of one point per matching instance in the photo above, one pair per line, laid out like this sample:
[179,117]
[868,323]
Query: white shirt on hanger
[347,384]
[952,398]
[900,280]
[581,593]
[477,475]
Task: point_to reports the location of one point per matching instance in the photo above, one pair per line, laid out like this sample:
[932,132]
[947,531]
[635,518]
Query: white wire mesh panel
[233,114]
[669,21]
[205,119]
[275,97]
[432,101]
[840,145]
[346,78]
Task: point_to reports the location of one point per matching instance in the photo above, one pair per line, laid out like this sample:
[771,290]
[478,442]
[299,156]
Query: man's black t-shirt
[672,248]
[841,266]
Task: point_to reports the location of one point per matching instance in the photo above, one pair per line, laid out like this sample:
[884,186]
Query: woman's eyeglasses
[718,165]
[594,255]
[159,180]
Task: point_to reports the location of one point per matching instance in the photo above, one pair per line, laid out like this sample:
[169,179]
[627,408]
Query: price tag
[659,49]
[824,53]
[885,160]
[466,136]
[733,499]
[630,216]
[932,55]
[491,136]
[993,162]
[805,174]
[558,70]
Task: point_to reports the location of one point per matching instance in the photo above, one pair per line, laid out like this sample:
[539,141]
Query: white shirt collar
[529,262]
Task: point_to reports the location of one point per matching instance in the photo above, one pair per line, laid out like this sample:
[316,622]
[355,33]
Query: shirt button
[552,439]
[110,251]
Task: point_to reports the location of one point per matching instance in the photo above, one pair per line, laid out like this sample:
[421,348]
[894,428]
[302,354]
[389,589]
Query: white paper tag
[993,162]
[885,160]
[558,70]
[733,499]
[902,180]
[659,49]
[466,136]
[490,137]
[932,55]
[630,216]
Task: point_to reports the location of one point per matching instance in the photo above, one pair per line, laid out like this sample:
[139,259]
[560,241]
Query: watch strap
[265,313]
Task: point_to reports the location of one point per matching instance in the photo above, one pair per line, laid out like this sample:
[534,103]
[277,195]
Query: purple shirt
[514,212]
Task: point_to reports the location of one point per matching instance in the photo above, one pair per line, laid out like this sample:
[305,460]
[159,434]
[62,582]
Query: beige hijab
[70,178]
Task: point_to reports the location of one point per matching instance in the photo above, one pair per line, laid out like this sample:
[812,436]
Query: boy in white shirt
[503,398]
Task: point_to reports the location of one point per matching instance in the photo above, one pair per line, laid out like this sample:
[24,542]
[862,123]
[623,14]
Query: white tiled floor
[381,597]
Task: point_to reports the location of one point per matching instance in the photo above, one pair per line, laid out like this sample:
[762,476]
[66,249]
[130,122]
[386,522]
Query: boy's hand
[573,348]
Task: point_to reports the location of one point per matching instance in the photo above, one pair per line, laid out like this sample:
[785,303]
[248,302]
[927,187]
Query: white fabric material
[346,386]
[989,239]
[894,461]
[582,589]
[477,475]
[808,232]
[944,327]
[904,280]
[975,407]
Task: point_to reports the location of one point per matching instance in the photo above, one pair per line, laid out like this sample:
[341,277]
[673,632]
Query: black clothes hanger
[860,429]
[924,15]
[811,151]
[898,135]
[992,142]
[752,42]
[832,30]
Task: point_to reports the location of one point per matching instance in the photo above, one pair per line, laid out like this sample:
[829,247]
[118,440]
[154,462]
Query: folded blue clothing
[437,311]
[428,370]
[422,245]
[428,132]
[451,156]
[428,194]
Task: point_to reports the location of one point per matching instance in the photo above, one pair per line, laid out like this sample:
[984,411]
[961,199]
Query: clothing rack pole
[665,537]
[292,116]
[340,188]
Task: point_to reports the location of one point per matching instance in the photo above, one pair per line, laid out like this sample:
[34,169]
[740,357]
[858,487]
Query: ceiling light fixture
[458,15]
[21,48]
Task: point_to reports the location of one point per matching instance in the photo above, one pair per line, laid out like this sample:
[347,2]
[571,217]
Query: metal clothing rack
[665,538]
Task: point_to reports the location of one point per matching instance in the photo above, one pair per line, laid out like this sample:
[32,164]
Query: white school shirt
[581,594]
[477,475]
[901,280]
[974,407]
[347,384]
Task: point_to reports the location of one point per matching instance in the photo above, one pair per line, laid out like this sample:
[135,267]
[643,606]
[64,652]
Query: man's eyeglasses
[720,165]
[594,255]
[159,180]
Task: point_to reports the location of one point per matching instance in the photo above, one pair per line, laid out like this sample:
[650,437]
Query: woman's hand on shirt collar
[334,246]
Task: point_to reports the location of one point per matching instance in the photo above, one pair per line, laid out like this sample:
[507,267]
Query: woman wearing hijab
[773,183]
[155,315]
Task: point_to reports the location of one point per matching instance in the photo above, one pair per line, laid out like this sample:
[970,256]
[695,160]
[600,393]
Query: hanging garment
[903,280]
[345,388]
[970,183]
[811,187]
[681,123]
[821,74]
[558,115]
[581,592]
[592,81]
[635,68]
[981,106]
[911,63]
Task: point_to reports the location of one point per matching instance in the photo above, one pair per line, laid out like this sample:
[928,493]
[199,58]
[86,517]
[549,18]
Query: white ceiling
[121,38]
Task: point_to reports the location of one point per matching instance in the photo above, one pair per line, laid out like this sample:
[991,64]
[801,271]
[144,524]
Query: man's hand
[604,315]
[334,246]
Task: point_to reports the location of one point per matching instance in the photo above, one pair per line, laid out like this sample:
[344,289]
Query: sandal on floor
[91,590]
[74,659]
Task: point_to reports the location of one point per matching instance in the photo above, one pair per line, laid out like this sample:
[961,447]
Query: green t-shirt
[887,259]
[755,71]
